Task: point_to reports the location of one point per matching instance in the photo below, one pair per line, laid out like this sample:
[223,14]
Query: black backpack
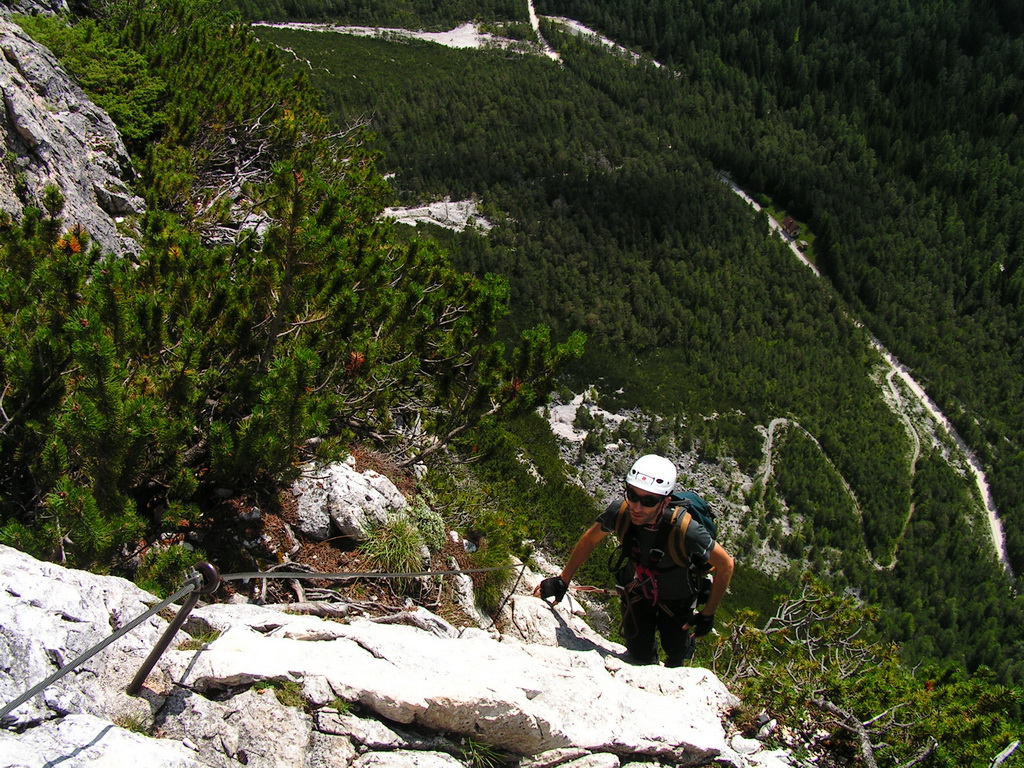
[671,534]
[685,507]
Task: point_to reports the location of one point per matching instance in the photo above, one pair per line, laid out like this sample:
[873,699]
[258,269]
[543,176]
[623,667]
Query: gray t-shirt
[674,581]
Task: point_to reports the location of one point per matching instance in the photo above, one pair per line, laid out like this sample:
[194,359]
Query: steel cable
[71,665]
[196,583]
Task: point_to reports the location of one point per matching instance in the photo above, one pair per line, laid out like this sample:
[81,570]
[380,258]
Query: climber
[666,558]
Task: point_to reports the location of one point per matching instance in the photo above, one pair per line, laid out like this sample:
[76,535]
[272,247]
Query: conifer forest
[619,224]
[619,257]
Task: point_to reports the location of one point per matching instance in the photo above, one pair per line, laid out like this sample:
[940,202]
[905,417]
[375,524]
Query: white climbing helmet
[653,473]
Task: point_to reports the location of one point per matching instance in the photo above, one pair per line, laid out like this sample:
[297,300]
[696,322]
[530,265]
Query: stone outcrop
[33,7]
[337,499]
[53,135]
[262,687]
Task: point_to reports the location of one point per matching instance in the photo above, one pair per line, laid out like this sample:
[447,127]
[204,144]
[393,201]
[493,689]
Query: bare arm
[724,565]
[588,541]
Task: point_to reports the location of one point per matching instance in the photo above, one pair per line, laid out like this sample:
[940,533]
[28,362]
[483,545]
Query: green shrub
[164,570]
[492,587]
[429,523]
[117,79]
[820,656]
[395,546]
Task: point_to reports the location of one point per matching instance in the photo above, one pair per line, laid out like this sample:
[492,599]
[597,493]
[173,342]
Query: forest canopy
[604,181]
[893,131]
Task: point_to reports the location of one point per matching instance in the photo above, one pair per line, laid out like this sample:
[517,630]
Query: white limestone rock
[54,135]
[338,498]
[85,741]
[51,615]
[525,699]
[252,729]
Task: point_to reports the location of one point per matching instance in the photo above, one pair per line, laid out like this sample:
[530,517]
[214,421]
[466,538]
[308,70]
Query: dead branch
[853,724]
[419,619]
[923,755]
[324,610]
[1003,756]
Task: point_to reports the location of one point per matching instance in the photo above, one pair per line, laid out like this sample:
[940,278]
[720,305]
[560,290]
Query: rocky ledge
[245,684]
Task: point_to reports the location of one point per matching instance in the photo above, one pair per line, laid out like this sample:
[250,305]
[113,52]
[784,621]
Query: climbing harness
[205,579]
[647,582]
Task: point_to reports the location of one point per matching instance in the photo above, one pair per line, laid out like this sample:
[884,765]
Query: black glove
[553,587]
[700,624]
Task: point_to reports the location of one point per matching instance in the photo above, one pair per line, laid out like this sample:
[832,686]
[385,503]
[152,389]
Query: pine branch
[25,408]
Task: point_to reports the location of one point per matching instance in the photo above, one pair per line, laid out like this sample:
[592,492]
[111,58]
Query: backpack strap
[677,535]
[622,521]
[671,536]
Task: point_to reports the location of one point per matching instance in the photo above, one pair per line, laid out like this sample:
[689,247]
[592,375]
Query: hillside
[892,133]
[610,216]
[269,316]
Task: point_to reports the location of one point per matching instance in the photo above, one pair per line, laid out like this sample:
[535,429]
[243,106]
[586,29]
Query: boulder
[521,698]
[337,498]
[48,617]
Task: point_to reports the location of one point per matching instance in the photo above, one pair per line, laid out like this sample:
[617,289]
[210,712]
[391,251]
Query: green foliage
[199,642]
[480,755]
[941,531]
[504,509]
[429,523]
[64,472]
[611,218]
[287,692]
[131,388]
[813,489]
[514,507]
[752,591]
[394,546]
[116,78]
[163,570]
[819,655]
[656,261]
[229,113]
[341,706]
[491,588]
[132,723]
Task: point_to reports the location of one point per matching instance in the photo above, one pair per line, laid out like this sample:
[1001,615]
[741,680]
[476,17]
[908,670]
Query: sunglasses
[645,501]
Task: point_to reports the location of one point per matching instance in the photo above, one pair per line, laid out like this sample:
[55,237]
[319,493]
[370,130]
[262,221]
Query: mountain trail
[897,370]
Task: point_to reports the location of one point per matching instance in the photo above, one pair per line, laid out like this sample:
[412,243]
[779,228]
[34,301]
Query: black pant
[642,620]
